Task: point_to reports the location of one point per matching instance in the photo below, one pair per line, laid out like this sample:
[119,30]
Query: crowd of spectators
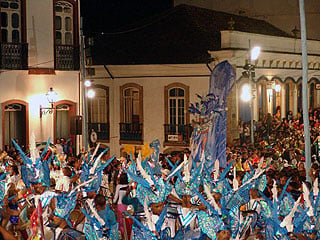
[280,142]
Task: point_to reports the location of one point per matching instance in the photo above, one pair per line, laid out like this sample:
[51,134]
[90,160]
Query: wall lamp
[52,97]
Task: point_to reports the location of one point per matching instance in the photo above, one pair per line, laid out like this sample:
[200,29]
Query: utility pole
[249,68]
[83,89]
[252,87]
[305,109]
[250,71]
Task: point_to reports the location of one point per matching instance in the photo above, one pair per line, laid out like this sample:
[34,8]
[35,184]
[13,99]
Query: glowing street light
[255,52]
[277,87]
[246,93]
[91,93]
[52,96]
[87,83]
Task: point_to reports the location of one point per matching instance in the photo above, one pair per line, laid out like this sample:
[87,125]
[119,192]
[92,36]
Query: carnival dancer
[117,200]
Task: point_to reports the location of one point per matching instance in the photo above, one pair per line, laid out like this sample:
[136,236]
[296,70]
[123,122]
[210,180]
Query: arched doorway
[287,89]
[314,86]
[15,122]
[311,95]
[289,94]
[64,110]
[299,103]
[277,97]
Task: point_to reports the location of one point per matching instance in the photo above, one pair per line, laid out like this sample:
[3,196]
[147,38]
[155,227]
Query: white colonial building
[39,50]
[146,77]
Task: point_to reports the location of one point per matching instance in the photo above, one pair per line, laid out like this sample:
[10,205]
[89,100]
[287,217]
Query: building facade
[143,95]
[277,84]
[39,51]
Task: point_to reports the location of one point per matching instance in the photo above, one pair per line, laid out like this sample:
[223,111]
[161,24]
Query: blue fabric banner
[222,79]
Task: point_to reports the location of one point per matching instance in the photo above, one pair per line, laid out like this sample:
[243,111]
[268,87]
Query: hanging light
[52,97]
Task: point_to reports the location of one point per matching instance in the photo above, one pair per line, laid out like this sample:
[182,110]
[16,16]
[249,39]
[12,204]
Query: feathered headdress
[92,167]
[100,223]
[64,205]
[34,170]
[150,230]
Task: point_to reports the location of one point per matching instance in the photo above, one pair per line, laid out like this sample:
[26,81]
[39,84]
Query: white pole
[252,106]
[84,97]
[305,89]
[251,100]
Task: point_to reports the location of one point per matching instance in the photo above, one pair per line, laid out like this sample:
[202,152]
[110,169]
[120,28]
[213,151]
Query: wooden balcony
[177,135]
[131,133]
[102,130]
[14,56]
[67,57]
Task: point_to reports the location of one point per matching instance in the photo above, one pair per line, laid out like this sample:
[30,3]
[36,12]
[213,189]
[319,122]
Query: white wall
[31,88]
[153,94]
[40,33]
[20,85]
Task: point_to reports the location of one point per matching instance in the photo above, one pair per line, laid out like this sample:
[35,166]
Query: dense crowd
[263,193]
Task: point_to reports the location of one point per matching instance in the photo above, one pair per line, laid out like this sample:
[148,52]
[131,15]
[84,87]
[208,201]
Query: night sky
[119,15]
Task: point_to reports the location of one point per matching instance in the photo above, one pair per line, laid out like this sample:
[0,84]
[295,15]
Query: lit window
[131,112]
[176,127]
[177,107]
[131,105]
[98,112]
[14,124]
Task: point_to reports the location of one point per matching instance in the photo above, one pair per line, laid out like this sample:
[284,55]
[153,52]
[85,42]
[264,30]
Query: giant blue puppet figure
[210,133]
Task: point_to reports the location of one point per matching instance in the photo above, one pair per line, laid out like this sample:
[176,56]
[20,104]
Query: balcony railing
[67,57]
[131,132]
[102,130]
[177,134]
[14,56]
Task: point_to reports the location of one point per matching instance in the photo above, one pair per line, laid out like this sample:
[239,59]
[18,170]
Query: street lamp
[255,53]
[277,87]
[88,83]
[249,72]
[52,97]
[90,93]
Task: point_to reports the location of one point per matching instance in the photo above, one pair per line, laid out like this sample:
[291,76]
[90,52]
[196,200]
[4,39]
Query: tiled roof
[181,35]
